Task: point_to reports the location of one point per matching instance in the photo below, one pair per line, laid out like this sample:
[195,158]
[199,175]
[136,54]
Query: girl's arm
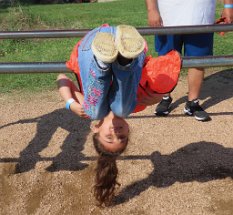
[68,90]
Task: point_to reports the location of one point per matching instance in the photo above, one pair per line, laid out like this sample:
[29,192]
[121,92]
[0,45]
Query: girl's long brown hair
[106,173]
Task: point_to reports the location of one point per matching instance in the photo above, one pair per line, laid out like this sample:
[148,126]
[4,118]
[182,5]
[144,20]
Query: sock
[124,61]
[166,97]
[101,64]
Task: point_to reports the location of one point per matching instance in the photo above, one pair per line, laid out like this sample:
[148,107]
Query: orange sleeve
[72,63]
[162,73]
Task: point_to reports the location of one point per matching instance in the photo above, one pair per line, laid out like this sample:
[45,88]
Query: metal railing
[144,31]
[58,67]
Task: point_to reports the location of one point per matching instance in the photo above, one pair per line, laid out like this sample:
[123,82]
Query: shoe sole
[103,47]
[196,117]
[129,42]
[202,119]
[161,114]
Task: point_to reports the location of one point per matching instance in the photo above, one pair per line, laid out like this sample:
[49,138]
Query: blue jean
[112,89]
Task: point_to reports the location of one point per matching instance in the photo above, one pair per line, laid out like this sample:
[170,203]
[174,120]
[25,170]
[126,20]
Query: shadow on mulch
[199,161]
[216,88]
[71,156]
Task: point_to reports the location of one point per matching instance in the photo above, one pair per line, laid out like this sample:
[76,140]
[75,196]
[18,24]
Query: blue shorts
[192,44]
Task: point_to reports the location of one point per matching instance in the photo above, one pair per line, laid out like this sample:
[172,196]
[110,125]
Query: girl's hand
[228,14]
[79,97]
[78,109]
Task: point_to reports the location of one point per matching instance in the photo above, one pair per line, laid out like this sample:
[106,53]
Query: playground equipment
[58,67]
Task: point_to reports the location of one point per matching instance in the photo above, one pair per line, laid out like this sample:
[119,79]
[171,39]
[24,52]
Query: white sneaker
[128,41]
[103,47]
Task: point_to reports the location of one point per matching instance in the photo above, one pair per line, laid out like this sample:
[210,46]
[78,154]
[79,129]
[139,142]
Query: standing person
[181,13]
[114,77]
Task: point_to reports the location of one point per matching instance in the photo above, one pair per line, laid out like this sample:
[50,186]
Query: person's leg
[195,79]
[127,70]
[123,94]
[197,45]
[96,75]
[164,44]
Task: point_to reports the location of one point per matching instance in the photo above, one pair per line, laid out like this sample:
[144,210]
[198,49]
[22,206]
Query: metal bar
[60,67]
[210,61]
[143,30]
[186,29]
[37,67]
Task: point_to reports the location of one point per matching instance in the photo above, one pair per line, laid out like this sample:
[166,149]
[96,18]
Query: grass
[67,16]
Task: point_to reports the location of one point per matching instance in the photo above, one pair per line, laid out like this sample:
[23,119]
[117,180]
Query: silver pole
[144,31]
[210,61]
[30,67]
[60,67]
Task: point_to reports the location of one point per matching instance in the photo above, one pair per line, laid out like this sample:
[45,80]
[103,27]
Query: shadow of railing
[70,157]
[200,161]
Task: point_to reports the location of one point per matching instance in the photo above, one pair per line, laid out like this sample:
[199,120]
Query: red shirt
[160,74]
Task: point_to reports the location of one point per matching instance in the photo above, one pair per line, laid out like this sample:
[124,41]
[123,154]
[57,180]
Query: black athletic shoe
[163,108]
[192,108]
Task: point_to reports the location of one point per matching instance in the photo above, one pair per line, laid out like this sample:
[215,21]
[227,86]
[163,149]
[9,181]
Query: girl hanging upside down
[116,79]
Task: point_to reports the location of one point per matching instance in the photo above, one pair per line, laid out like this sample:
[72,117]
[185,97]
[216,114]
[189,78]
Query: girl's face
[113,133]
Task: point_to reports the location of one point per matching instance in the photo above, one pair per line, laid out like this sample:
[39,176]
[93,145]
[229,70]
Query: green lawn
[68,16]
